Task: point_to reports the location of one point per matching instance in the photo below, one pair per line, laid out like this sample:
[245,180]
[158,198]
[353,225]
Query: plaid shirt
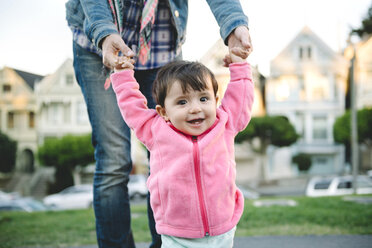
[163,38]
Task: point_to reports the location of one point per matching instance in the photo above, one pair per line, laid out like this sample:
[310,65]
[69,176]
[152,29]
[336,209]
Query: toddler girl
[194,197]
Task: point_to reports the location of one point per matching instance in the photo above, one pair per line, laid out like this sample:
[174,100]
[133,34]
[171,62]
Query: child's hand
[124,63]
[236,54]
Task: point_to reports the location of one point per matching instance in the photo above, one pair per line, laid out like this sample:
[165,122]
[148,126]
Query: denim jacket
[95,18]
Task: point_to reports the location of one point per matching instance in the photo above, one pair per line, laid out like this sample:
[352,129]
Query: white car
[74,197]
[26,204]
[8,196]
[137,186]
[333,186]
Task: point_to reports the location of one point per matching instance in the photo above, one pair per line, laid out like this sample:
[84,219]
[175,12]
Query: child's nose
[195,108]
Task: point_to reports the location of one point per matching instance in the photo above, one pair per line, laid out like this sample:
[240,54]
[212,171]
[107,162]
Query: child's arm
[238,99]
[132,103]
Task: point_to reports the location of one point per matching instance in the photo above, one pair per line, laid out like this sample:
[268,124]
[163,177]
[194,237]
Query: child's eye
[204,99]
[181,102]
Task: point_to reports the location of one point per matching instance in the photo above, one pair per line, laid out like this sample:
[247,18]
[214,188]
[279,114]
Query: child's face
[192,112]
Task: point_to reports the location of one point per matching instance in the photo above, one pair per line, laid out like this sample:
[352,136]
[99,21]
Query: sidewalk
[311,241]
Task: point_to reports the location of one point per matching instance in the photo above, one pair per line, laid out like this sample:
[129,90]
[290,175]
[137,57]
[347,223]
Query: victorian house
[60,105]
[307,85]
[18,113]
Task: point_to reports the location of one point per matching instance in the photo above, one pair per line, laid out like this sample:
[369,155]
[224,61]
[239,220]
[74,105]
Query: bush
[65,154]
[8,151]
[275,130]
[67,151]
[303,161]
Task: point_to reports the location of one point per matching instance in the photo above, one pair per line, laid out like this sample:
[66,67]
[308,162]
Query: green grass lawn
[311,216]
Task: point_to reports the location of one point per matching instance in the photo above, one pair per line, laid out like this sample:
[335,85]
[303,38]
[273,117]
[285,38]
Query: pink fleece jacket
[192,179]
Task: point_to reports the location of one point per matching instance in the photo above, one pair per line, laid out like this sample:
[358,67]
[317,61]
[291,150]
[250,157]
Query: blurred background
[307,56]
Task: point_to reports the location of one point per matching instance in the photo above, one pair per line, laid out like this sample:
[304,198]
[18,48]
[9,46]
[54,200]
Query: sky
[34,36]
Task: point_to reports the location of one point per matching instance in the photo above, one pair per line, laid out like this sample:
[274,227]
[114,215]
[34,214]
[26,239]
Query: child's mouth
[196,121]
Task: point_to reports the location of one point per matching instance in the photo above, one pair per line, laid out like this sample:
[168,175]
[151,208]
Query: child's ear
[161,111]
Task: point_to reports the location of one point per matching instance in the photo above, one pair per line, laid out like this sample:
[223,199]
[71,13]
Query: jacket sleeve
[133,106]
[98,22]
[229,15]
[238,99]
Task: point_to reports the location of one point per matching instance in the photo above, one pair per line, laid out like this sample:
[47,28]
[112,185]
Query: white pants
[225,240]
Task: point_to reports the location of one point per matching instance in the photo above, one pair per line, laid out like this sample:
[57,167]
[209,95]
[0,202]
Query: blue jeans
[111,140]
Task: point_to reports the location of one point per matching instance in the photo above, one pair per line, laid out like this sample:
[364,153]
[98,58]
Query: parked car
[74,197]
[341,185]
[26,204]
[137,186]
[8,196]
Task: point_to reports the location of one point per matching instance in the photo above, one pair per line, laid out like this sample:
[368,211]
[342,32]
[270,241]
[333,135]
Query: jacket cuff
[229,27]
[241,70]
[98,31]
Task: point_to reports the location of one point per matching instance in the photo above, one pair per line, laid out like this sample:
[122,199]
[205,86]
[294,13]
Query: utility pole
[354,122]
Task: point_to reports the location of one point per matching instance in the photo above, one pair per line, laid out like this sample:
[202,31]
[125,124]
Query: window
[7,88]
[322,161]
[67,113]
[10,120]
[69,79]
[54,114]
[31,120]
[320,128]
[282,91]
[305,52]
[300,120]
[318,93]
[344,185]
[323,184]
[81,112]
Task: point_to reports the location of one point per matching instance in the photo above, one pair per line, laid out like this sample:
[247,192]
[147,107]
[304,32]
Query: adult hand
[111,46]
[239,42]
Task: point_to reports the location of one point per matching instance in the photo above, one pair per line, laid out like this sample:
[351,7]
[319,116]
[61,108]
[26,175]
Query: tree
[366,27]
[274,130]
[341,129]
[65,154]
[8,151]
[303,161]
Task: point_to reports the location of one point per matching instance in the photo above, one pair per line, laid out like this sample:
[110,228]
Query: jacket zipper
[199,185]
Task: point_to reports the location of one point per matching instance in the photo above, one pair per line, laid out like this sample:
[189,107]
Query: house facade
[307,85]
[18,113]
[363,85]
[60,105]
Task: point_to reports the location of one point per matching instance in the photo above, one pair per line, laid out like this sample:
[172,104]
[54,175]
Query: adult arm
[229,15]
[233,25]
[100,28]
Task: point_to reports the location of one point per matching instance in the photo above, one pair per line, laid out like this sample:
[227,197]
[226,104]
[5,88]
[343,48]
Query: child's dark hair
[191,75]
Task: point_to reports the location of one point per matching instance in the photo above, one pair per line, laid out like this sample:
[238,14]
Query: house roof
[29,78]
[310,36]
